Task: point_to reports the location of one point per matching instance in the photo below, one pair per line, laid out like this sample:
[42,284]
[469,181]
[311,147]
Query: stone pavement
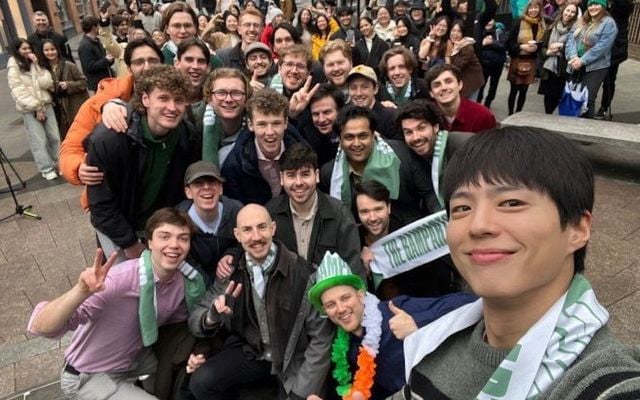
[41,259]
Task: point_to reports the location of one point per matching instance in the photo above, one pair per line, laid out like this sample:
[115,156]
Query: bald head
[254,230]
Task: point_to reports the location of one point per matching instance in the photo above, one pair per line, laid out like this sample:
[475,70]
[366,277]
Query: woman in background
[30,88]
[70,85]
[462,54]
[554,70]
[523,45]
[589,48]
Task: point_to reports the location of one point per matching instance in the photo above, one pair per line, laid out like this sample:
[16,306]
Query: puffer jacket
[88,117]
[29,89]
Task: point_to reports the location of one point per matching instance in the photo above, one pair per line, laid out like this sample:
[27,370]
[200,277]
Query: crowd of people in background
[262,142]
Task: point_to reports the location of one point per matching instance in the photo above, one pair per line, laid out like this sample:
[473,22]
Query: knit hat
[603,3]
[333,271]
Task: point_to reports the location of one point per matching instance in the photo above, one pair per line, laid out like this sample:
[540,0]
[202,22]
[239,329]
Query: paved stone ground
[41,259]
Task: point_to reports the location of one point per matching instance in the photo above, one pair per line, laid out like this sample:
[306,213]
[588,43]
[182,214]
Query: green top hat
[333,271]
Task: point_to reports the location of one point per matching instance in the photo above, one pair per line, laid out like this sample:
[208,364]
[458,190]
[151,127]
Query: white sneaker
[51,175]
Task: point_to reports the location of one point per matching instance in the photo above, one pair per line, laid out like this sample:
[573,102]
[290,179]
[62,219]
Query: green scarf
[211,136]
[437,164]
[383,166]
[403,96]
[194,289]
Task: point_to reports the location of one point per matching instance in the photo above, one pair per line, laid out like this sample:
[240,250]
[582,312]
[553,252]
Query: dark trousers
[519,92]
[492,77]
[593,80]
[609,85]
[226,371]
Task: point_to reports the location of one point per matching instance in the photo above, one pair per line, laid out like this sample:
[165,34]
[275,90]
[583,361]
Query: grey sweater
[460,367]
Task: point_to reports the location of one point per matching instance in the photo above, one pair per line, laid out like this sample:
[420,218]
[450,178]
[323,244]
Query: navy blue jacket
[244,182]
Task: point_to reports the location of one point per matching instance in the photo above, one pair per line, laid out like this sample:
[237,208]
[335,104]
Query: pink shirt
[107,330]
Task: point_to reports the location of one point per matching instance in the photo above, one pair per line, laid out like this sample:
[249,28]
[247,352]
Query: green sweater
[461,366]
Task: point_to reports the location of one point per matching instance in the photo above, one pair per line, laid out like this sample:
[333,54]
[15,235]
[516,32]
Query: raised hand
[92,279]
[223,304]
[401,324]
[300,99]
[255,83]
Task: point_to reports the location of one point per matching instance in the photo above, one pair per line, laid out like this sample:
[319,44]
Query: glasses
[292,65]
[141,61]
[185,26]
[221,95]
[250,25]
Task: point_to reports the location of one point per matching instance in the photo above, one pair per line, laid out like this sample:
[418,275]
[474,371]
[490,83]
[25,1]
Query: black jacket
[362,55]
[244,182]
[333,230]
[620,11]
[115,203]
[35,39]
[207,248]
[94,63]
[386,121]
[416,198]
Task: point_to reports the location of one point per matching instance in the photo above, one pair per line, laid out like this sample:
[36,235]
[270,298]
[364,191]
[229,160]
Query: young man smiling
[310,222]
[400,84]
[141,166]
[459,114]
[363,320]
[252,169]
[520,203]
[116,312]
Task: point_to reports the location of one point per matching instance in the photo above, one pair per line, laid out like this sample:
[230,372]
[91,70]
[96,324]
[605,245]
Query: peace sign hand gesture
[223,304]
[300,99]
[91,280]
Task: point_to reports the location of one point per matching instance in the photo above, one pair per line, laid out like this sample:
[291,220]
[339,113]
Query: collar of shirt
[312,213]
[267,264]
[205,227]
[261,155]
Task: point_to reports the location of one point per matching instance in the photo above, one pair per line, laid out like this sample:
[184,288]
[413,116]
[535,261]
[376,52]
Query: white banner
[418,243]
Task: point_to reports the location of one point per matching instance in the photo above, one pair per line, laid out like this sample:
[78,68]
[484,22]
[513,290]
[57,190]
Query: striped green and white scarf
[402,97]
[276,84]
[194,289]
[437,164]
[539,358]
[383,166]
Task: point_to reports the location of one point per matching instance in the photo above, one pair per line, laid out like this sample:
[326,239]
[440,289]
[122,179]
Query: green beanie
[603,3]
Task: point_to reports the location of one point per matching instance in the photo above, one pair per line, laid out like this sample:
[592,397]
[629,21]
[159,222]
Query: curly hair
[164,77]
[267,101]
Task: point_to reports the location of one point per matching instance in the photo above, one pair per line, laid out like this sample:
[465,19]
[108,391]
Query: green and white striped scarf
[194,289]
[383,166]
[276,84]
[402,97]
[539,358]
[437,164]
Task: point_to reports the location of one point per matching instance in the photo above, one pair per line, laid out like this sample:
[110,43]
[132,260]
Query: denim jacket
[599,55]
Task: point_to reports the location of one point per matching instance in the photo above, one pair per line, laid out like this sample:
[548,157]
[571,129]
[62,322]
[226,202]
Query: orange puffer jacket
[89,115]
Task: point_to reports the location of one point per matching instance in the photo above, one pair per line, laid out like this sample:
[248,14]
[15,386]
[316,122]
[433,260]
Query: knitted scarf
[525,34]
[194,289]
[558,35]
[172,47]
[402,97]
[437,163]
[383,166]
[211,136]
[539,358]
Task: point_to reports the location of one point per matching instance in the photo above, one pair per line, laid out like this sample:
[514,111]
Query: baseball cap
[364,71]
[256,46]
[199,169]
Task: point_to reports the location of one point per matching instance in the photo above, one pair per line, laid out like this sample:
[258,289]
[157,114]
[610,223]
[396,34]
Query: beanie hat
[603,3]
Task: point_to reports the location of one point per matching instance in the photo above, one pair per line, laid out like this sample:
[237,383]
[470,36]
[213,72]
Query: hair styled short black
[373,189]
[354,112]
[420,109]
[540,160]
[134,44]
[298,156]
[328,90]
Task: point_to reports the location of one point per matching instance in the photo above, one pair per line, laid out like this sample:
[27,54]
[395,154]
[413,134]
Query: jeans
[43,138]
[492,78]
